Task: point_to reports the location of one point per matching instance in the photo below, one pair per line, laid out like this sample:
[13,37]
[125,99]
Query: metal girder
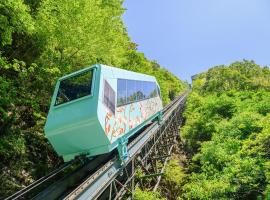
[149,152]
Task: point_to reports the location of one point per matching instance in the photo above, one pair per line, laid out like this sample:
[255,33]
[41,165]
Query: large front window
[74,87]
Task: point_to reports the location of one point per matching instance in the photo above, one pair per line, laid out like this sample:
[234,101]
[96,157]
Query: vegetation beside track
[226,136]
[227,133]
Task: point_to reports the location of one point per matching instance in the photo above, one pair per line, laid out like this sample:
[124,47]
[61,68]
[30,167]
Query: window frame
[90,95]
[125,80]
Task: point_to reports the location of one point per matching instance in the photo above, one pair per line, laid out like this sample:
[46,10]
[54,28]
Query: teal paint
[78,127]
[122,148]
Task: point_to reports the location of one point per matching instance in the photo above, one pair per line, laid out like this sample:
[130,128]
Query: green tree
[227,132]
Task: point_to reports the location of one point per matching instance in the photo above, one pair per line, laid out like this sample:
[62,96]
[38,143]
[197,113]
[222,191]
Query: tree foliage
[144,194]
[227,131]
[243,76]
[173,180]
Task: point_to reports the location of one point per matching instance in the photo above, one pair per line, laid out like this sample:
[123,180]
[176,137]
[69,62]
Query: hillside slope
[225,142]
[227,133]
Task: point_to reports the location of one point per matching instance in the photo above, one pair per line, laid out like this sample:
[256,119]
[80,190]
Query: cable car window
[153,90]
[147,89]
[131,91]
[121,92]
[74,87]
[139,89]
[109,97]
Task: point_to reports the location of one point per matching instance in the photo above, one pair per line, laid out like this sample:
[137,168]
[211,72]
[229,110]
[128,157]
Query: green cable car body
[97,109]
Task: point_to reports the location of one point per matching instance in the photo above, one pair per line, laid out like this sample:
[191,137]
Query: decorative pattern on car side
[130,116]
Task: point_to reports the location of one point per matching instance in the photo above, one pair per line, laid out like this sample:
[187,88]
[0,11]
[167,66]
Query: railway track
[112,175]
[104,177]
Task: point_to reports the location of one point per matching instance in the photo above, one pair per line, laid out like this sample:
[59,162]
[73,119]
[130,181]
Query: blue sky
[189,36]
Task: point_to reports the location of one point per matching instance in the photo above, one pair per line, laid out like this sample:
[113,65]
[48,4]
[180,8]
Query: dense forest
[40,41]
[226,137]
[227,132]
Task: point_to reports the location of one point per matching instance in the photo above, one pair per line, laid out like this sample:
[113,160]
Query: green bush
[149,195]
[227,132]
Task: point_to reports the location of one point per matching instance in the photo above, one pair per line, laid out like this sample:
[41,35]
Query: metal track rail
[147,152]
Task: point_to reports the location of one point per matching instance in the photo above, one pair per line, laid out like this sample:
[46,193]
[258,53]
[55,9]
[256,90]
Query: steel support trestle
[148,156]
